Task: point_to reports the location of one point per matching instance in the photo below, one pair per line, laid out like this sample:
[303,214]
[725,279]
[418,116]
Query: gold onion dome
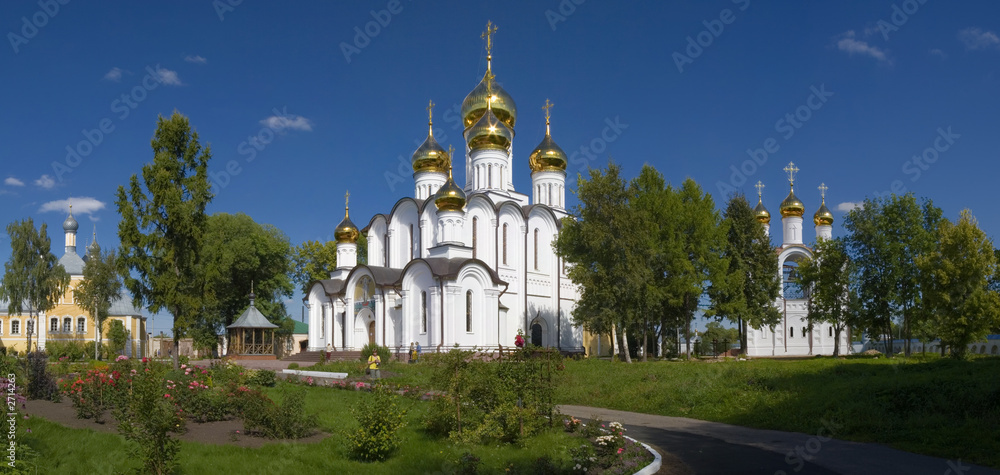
[761,213]
[430,156]
[547,156]
[449,197]
[476,103]
[489,133]
[823,216]
[792,206]
[346,231]
[488,94]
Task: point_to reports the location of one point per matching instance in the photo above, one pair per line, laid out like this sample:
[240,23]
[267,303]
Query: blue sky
[692,88]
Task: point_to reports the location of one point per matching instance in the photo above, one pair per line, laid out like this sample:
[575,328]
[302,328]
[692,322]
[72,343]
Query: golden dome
[476,103]
[430,156]
[792,206]
[547,156]
[761,213]
[823,216]
[489,133]
[449,197]
[346,231]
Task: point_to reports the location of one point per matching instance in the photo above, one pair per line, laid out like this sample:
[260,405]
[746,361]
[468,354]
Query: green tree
[649,203]
[117,336]
[163,223]
[237,254]
[695,252]
[827,277]
[101,285]
[33,278]
[745,292]
[886,236]
[314,260]
[955,277]
[721,336]
[593,242]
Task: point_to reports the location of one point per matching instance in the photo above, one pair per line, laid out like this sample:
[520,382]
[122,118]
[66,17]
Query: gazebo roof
[252,318]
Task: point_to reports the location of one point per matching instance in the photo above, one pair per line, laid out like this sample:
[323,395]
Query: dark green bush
[263,416]
[41,384]
[383,352]
[262,377]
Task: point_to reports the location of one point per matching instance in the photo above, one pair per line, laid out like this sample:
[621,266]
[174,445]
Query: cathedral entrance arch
[371,332]
[536,334]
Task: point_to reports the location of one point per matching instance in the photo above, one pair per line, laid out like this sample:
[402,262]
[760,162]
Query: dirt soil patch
[219,432]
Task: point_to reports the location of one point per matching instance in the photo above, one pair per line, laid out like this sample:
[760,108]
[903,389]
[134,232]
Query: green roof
[300,327]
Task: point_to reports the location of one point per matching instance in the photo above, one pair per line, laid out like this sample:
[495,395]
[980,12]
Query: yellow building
[67,322]
[597,344]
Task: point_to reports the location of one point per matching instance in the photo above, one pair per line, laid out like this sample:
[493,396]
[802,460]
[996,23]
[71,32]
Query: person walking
[374,361]
[413,354]
[418,352]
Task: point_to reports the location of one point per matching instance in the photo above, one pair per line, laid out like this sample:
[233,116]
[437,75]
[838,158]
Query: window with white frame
[468,311]
[81,324]
[423,312]
[54,325]
[67,325]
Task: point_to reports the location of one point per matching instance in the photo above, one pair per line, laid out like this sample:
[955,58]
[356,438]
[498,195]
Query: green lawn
[67,450]
[932,406]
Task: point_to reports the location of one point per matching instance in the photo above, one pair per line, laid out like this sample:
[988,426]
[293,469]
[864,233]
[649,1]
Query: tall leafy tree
[694,252]
[886,236]
[592,243]
[955,276]
[745,292]
[314,260]
[649,237]
[101,285]
[163,224]
[239,253]
[33,278]
[827,276]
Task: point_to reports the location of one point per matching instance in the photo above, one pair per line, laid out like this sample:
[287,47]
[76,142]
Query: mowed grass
[928,405]
[66,450]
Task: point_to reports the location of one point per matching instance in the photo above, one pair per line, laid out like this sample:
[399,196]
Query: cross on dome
[760,190]
[822,191]
[791,169]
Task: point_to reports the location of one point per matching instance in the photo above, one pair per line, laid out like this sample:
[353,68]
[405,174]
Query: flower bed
[606,449]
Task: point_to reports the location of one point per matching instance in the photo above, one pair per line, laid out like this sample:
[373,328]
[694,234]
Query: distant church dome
[346,231]
[430,156]
[792,206]
[70,224]
[761,213]
[479,100]
[547,156]
[449,197]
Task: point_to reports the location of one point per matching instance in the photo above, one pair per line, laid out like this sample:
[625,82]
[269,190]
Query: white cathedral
[457,266]
[793,336]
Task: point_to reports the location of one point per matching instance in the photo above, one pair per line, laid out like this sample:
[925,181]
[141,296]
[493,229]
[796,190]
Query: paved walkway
[716,448]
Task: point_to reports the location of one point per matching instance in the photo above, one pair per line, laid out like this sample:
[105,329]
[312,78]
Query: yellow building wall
[591,345]
[67,307]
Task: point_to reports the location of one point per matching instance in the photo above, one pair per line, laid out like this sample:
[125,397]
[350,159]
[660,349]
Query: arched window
[54,325]
[15,327]
[831,331]
[423,312]
[489,176]
[505,243]
[67,325]
[992,352]
[791,332]
[536,248]
[81,324]
[804,331]
[475,229]
[790,280]
[468,311]
[411,242]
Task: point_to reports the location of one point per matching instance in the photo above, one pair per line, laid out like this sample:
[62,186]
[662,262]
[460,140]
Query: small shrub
[147,418]
[468,464]
[293,366]
[263,377]
[379,418]
[383,352]
[41,384]
[285,421]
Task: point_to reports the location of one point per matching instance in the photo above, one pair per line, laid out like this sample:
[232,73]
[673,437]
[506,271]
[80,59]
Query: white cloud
[282,122]
[976,38]
[937,52]
[195,59]
[81,205]
[851,45]
[114,75]
[849,205]
[46,182]
[167,76]
[11,181]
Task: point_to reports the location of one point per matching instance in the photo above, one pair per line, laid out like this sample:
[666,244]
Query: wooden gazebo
[251,336]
